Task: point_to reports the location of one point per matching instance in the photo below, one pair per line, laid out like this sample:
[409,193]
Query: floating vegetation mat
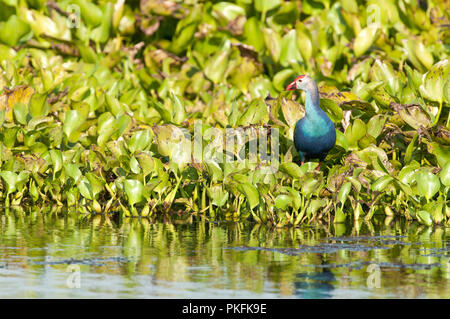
[130,107]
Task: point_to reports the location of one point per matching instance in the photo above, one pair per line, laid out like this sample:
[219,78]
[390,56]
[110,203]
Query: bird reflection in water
[314,285]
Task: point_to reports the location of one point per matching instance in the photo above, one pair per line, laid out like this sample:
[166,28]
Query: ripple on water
[352,243]
[83,261]
[325,248]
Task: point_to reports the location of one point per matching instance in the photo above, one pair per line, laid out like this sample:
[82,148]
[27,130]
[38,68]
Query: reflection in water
[139,258]
[315,285]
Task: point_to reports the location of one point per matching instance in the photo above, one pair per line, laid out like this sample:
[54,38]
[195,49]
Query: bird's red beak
[291,86]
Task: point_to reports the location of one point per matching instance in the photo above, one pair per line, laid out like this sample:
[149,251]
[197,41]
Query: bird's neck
[312,107]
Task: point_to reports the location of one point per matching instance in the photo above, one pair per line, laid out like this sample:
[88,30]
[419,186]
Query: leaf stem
[263,16]
[436,120]
[448,121]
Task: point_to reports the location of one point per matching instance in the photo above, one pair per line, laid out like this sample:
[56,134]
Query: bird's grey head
[302,82]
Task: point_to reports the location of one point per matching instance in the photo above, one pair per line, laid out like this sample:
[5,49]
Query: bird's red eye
[299,78]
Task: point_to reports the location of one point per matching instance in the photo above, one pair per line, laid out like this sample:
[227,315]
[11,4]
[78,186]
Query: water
[46,256]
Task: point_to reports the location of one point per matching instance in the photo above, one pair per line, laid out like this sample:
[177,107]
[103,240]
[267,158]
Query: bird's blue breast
[315,136]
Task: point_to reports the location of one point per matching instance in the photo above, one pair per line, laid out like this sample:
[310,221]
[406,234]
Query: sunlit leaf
[428,184]
[134,190]
[140,141]
[365,38]
[72,122]
[435,83]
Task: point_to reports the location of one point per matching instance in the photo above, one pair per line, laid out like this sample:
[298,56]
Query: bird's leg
[302,157]
[318,167]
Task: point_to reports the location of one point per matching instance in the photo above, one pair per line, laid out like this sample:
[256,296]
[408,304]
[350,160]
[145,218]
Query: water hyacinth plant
[99,102]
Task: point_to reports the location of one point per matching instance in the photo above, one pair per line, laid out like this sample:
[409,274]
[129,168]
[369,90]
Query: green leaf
[186,28]
[178,108]
[101,33]
[90,13]
[97,183]
[315,205]
[376,157]
[435,83]
[382,183]
[73,171]
[218,195]
[339,216]
[310,186]
[44,25]
[375,125]
[416,52]
[332,109]
[105,128]
[308,167]
[2,116]
[252,34]
[282,78]
[341,140]
[134,190]
[171,196]
[7,53]
[272,42]
[428,184]
[85,188]
[291,169]
[215,171]
[57,160]
[283,201]
[10,137]
[164,139]
[410,148]
[38,105]
[134,165]
[254,114]
[414,115]
[227,11]
[365,38]
[424,217]
[251,193]
[408,173]
[343,192]
[140,141]
[445,175]
[87,53]
[243,74]
[266,5]
[216,66]
[113,104]
[21,113]
[72,122]
[166,116]
[146,162]
[295,198]
[121,125]
[292,112]
[383,71]
[355,132]
[304,41]
[442,153]
[12,31]
[289,52]
[10,179]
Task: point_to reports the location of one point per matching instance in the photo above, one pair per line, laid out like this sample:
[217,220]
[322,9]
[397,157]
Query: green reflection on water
[196,259]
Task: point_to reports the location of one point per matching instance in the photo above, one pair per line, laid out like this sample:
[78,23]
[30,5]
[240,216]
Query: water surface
[48,256]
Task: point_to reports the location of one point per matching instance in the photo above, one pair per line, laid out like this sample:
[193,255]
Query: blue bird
[314,134]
